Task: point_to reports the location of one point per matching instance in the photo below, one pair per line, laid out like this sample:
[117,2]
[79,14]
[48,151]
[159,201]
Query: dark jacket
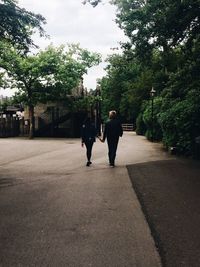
[113,130]
[88,133]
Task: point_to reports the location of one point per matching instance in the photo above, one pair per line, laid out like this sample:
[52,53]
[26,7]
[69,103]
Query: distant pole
[98,111]
[152,93]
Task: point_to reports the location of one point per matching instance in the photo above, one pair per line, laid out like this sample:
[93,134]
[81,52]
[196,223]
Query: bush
[140,125]
[181,125]
[153,128]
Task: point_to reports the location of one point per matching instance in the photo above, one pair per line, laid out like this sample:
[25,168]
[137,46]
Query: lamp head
[152,92]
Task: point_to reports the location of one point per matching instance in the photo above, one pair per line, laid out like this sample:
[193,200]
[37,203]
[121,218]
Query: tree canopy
[163,52]
[51,74]
[17,24]
[162,24]
[92,2]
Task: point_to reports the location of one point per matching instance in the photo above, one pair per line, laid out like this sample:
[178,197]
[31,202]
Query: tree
[126,85]
[112,84]
[49,75]
[17,24]
[164,23]
[92,2]
[164,40]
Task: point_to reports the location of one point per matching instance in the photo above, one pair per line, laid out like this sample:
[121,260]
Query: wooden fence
[127,127]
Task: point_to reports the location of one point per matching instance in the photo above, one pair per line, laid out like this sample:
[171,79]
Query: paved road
[169,194]
[55,211]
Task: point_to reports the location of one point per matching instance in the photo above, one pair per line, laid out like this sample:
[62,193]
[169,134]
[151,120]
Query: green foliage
[162,24]
[140,125]
[85,103]
[111,85]
[18,24]
[180,123]
[125,86]
[4,103]
[150,118]
[94,3]
[179,116]
[51,74]
[163,52]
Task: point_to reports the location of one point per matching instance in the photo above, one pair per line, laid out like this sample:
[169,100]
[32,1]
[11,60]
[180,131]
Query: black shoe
[88,164]
[112,165]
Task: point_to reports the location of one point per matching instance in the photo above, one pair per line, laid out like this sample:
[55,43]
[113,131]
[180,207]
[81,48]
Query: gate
[127,127]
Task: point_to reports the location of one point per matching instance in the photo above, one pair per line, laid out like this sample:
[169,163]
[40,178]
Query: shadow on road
[169,195]
[4,182]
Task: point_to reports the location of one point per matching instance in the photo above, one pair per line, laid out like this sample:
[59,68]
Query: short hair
[112,114]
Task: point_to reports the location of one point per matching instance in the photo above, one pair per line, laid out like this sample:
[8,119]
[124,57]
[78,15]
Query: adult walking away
[112,131]
[88,136]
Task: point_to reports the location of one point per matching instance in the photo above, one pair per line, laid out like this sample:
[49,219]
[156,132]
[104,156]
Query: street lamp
[98,110]
[152,93]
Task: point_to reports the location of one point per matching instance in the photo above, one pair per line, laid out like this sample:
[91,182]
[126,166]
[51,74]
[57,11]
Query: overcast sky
[69,21]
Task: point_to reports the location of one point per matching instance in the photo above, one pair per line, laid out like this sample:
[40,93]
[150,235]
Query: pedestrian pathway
[55,211]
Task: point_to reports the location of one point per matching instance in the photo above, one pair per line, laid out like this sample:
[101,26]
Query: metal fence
[9,126]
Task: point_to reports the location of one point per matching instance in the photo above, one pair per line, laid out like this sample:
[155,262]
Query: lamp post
[152,93]
[98,110]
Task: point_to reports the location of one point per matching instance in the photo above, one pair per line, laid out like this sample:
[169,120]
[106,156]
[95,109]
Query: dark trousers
[112,148]
[89,145]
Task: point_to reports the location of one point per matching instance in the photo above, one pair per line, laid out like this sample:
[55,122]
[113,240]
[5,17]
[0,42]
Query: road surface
[55,211]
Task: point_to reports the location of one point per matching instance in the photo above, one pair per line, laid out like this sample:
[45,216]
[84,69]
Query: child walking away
[88,136]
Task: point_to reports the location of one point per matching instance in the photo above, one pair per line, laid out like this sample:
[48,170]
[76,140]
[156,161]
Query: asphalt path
[55,211]
[169,194]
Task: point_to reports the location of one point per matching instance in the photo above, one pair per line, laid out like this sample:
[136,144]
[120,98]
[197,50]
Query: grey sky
[69,21]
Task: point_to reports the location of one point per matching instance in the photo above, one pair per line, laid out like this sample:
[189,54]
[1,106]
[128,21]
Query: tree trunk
[166,51]
[32,122]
